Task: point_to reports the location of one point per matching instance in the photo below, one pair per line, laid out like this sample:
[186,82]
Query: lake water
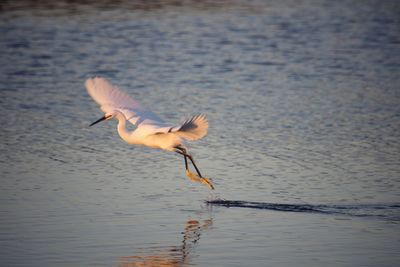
[303,100]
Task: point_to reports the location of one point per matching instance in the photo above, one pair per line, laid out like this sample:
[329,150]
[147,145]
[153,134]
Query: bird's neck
[122,131]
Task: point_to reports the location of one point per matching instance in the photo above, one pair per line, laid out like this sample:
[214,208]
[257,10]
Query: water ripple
[386,211]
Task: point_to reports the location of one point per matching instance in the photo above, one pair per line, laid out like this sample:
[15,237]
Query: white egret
[149,130]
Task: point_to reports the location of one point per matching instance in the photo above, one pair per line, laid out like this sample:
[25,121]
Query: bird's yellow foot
[207,182]
[194,177]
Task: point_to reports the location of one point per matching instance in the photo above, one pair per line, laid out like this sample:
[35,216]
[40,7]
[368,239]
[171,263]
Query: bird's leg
[197,169]
[189,174]
[184,157]
[183,152]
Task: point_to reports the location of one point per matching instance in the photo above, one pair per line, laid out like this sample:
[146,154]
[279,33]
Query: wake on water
[384,211]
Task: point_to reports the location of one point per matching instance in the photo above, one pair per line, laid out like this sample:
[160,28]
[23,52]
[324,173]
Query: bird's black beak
[99,120]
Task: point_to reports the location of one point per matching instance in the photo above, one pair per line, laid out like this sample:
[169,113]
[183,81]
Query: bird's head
[107,116]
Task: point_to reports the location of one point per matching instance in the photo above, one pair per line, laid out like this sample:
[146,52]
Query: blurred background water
[303,101]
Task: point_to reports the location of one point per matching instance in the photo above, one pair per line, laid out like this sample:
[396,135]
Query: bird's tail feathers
[194,128]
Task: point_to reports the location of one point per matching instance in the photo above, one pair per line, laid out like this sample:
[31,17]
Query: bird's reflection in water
[171,255]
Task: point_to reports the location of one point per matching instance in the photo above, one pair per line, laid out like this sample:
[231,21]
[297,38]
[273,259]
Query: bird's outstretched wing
[192,129]
[111,98]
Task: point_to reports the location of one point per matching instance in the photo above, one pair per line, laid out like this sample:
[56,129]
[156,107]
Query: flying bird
[149,129]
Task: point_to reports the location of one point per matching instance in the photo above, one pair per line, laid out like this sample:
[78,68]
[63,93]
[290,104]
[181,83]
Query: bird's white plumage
[150,130]
[111,98]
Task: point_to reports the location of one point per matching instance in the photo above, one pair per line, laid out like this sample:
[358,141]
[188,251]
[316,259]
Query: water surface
[303,102]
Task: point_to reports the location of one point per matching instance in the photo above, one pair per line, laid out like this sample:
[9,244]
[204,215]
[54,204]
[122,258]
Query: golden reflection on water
[170,255]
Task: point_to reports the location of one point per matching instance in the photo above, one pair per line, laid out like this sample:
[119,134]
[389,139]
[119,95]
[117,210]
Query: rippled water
[303,101]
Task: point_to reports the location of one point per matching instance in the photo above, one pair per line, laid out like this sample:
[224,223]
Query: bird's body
[149,130]
[145,135]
